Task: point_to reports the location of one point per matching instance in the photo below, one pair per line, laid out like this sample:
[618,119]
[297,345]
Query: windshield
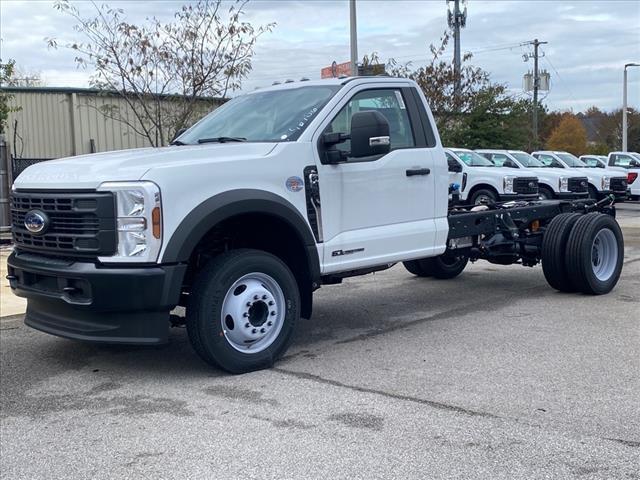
[275,116]
[571,160]
[591,162]
[472,159]
[527,160]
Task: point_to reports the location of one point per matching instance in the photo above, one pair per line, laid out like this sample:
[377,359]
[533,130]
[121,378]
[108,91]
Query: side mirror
[178,133]
[369,134]
[509,164]
[455,167]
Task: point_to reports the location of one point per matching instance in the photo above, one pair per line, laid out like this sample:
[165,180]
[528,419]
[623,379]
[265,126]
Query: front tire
[242,310]
[483,197]
[595,253]
[545,193]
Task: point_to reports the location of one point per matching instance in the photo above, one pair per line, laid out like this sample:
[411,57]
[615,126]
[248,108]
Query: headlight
[138,223]
[508,184]
[563,184]
[606,183]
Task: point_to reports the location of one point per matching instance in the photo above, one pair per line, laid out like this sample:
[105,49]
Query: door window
[390,103]
[549,161]
[621,160]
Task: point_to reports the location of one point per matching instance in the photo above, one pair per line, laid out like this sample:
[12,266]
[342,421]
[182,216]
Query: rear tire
[553,252]
[443,267]
[480,196]
[595,254]
[242,310]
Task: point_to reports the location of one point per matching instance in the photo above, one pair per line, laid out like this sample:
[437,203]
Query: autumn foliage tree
[162,69]
[570,136]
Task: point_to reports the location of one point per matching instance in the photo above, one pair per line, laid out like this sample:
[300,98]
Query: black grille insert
[80,224]
[618,184]
[578,185]
[525,185]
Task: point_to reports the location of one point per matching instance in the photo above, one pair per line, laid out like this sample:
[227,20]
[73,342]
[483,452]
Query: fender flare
[236,202]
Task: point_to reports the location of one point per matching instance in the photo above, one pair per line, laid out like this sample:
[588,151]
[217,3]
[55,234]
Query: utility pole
[354,37]
[536,85]
[624,105]
[456,20]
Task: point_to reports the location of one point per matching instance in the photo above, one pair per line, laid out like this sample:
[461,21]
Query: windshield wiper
[221,139]
[177,142]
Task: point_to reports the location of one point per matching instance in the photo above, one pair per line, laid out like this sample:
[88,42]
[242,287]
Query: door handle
[412,172]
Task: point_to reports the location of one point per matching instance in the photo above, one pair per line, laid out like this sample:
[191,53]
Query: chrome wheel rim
[253,313]
[604,254]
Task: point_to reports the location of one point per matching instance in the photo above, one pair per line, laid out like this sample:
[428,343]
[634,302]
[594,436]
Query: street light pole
[354,37]
[624,105]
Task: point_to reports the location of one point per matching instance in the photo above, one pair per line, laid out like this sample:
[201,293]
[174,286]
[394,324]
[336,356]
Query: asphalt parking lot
[491,375]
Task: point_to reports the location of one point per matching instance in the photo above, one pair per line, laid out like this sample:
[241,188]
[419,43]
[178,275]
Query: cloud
[588,42]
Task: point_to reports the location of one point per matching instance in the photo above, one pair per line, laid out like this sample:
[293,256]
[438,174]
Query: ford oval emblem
[532,184]
[36,221]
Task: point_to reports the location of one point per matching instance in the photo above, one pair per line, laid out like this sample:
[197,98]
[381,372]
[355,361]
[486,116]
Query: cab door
[381,209]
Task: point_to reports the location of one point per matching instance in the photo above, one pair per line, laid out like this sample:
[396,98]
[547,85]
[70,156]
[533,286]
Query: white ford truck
[552,182]
[601,182]
[481,181]
[271,196]
[627,163]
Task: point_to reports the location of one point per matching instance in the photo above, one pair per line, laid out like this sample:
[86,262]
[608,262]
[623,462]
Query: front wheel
[242,311]
[545,193]
[483,197]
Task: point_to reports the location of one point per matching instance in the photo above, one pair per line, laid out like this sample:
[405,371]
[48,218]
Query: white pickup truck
[601,182]
[271,196]
[481,181]
[629,164]
[552,182]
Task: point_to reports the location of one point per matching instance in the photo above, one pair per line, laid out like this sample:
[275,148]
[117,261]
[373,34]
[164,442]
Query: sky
[588,42]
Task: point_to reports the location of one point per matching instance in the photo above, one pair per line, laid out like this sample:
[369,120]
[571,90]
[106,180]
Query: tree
[483,115]
[7,71]
[201,53]
[570,135]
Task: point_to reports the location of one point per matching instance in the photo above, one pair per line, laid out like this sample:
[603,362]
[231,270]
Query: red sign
[336,70]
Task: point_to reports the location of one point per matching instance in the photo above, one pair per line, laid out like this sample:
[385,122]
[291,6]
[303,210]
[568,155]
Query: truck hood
[500,171]
[89,171]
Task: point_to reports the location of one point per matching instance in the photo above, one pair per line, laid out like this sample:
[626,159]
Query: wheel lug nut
[245,314]
[256,297]
[247,325]
[254,330]
[264,297]
[269,324]
[270,303]
[273,313]
[262,330]
[248,304]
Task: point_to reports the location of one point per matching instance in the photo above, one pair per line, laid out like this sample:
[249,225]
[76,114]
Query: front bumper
[86,301]
[572,195]
[505,197]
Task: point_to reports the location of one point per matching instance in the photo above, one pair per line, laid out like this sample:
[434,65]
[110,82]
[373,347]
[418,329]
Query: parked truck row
[275,194]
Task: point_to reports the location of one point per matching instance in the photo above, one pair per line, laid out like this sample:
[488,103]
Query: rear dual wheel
[583,253]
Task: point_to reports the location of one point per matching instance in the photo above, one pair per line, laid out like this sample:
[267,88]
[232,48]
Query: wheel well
[482,186]
[547,186]
[263,232]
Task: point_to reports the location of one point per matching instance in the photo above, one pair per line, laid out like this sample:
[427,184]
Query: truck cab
[481,181]
[627,163]
[601,183]
[552,182]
